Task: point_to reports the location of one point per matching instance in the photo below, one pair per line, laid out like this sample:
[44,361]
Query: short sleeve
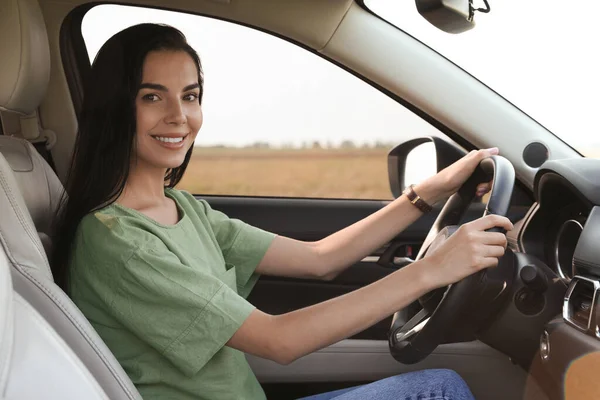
[243,246]
[184,312]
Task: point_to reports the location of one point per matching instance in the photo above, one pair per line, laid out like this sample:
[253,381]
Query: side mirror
[451,16]
[418,159]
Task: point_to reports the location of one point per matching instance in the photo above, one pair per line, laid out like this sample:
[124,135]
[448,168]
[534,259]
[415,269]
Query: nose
[175,114]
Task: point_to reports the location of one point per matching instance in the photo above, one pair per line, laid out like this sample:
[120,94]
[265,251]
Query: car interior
[518,332]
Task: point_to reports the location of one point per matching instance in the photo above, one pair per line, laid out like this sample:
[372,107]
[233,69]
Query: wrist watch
[416,200]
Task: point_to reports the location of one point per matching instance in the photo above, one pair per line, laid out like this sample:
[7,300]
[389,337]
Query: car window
[278,119]
[531,52]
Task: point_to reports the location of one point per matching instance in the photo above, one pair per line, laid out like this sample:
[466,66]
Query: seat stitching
[22,219]
[16,208]
[36,157]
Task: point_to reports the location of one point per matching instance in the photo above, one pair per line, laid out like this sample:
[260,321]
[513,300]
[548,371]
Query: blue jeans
[431,384]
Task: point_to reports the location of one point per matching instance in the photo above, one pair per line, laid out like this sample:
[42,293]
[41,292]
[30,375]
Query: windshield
[540,55]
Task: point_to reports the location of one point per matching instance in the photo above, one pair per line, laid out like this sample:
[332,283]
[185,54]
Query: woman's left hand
[450,179]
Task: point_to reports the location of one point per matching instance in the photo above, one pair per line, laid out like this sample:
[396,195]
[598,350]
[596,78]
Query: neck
[144,187]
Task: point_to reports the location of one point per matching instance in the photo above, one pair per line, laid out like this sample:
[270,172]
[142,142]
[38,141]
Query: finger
[474,157]
[494,251]
[494,239]
[484,153]
[489,262]
[492,221]
[483,188]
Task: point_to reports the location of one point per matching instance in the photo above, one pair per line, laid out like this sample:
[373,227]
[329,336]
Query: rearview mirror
[452,16]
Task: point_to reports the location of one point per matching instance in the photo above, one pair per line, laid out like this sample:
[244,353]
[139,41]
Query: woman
[163,277]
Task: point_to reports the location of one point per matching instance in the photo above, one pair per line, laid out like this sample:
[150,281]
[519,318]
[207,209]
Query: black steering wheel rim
[413,340]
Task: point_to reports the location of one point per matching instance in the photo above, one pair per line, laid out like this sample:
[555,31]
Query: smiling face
[168,112]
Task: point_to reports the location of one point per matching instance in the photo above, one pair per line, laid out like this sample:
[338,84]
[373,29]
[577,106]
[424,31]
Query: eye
[151,97]
[190,97]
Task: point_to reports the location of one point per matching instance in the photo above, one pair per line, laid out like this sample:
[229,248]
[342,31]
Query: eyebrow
[162,88]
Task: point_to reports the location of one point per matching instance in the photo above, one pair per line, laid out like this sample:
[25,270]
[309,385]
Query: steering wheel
[413,340]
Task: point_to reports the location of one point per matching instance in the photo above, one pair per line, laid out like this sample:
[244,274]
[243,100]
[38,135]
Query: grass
[317,173]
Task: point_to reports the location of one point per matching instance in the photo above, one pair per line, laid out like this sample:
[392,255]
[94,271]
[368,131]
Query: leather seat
[37,183]
[31,351]
[30,192]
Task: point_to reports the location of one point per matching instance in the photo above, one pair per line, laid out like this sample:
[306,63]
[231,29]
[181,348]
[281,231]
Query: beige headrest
[24,56]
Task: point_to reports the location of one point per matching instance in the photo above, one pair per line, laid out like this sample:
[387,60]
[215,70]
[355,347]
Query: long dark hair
[107,125]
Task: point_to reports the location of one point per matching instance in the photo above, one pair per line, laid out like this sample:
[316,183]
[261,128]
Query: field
[319,173]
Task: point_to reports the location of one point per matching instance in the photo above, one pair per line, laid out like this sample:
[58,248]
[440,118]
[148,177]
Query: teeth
[168,140]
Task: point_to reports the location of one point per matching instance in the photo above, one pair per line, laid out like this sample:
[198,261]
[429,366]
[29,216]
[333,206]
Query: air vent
[579,308]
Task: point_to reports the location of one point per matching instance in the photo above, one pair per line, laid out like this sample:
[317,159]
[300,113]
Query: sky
[539,54]
[258,87]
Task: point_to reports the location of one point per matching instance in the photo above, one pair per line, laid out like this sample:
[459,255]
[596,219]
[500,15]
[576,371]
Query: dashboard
[553,226]
[562,231]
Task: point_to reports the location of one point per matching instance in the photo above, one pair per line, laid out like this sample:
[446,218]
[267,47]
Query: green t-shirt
[166,298]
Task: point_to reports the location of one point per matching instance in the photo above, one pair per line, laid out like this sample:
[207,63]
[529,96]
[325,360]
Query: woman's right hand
[470,249]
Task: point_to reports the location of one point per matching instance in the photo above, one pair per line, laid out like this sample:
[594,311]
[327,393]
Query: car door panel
[314,219]
[364,357]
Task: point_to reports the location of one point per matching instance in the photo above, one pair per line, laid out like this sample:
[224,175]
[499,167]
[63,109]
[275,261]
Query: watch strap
[416,200]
